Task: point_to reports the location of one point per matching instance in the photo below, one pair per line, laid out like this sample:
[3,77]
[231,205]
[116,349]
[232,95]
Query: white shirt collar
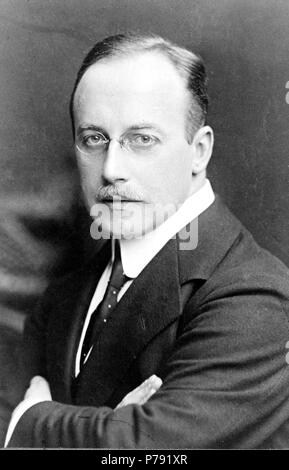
[136,253]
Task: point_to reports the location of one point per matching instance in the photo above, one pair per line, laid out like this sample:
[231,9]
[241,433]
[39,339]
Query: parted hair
[189,65]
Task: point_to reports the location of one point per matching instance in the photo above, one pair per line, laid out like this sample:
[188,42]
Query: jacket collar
[217,229]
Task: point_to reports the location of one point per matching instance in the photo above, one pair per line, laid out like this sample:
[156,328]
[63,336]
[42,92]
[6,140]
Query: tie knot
[117,278]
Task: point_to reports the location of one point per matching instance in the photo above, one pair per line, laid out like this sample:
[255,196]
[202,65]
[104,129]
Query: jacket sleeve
[226,385]
[34,343]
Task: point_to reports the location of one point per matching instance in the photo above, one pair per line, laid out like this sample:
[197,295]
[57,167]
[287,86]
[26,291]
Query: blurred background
[43,229]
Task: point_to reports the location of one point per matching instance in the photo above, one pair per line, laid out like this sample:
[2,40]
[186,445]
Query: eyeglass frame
[126,146]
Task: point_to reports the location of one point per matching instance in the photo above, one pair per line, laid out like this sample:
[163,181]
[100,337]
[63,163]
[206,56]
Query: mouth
[121,205]
[118,201]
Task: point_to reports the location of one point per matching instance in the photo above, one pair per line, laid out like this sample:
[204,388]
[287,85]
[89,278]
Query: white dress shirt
[136,253]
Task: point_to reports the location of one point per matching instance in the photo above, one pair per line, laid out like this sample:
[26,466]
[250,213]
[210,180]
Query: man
[175,334]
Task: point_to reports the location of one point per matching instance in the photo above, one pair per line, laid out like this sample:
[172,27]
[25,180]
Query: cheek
[179,165]
[147,179]
[168,176]
[90,172]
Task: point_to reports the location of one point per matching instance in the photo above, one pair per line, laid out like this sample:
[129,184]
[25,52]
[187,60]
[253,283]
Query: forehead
[135,84]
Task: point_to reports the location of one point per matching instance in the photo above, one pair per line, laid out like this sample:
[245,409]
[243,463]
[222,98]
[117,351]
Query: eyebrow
[143,126]
[90,127]
[134,127]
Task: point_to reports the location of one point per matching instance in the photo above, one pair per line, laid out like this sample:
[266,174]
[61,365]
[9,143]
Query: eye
[143,140]
[93,140]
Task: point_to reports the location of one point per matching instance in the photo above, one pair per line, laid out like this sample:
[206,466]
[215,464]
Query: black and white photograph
[144,227]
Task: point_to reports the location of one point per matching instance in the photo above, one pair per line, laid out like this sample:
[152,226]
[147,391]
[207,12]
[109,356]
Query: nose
[114,168]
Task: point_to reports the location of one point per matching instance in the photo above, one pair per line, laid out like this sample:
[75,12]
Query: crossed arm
[39,391]
[225,385]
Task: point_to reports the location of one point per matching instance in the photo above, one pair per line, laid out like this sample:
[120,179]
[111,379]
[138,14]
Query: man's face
[130,124]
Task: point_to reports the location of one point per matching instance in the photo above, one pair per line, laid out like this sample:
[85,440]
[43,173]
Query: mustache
[110,192]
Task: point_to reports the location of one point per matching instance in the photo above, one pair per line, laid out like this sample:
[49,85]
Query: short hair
[189,65]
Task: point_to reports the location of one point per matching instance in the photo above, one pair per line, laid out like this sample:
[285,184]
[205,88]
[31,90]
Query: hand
[141,394]
[38,390]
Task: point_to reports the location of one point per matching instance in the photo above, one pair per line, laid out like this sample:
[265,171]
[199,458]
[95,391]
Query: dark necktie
[107,305]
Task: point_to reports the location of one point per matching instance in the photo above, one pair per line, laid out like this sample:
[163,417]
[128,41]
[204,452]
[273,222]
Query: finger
[37,379]
[138,397]
[155,382]
[142,393]
[151,386]
[39,383]
[145,388]
[39,387]
[147,395]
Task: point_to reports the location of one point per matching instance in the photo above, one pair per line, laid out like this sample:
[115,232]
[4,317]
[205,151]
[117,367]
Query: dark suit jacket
[222,358]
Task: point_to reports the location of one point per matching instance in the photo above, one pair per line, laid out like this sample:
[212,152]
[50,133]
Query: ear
[202,144]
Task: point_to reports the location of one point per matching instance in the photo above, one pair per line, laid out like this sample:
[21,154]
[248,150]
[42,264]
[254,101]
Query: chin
[118,229]
[130,231]
[127,233]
